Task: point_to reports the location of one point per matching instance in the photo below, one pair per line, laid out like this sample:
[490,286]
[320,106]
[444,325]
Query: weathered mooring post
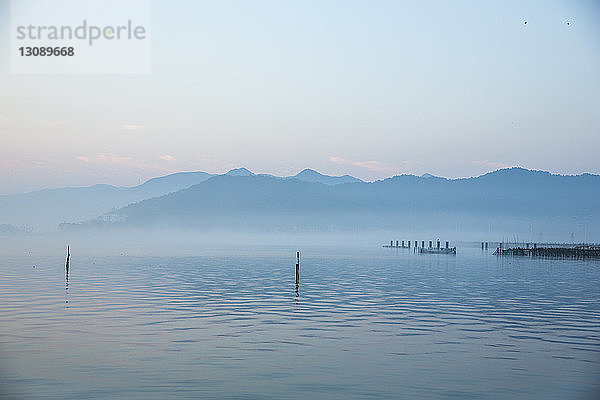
[67,269]
[391,243]
[68,259]
[423,243]
[409,244]
[486,245]
[396,243]
[446,244]
[403,243]
[438,244]
[297,267]
[481,245]
[297,275]
[430,244]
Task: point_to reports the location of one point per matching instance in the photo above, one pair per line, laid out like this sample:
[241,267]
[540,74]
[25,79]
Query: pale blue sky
[370,88]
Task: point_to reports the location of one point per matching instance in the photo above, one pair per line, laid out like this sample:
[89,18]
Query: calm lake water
[363,323]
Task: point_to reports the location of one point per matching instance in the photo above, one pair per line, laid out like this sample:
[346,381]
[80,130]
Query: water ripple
[354,327]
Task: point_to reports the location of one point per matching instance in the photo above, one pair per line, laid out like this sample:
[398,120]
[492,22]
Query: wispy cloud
[371,165]
[131,127]
[491,164]
[84,159]
[115,160]
[10,164]
[154,164]
[54,123]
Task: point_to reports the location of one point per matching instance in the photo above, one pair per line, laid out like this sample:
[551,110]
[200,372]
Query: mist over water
[510,204]
[181,242]
[227,321]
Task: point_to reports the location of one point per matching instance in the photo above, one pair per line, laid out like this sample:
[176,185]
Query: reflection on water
[386,324]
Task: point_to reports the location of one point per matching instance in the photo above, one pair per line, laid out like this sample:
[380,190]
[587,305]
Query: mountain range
[43,210]
[507,201]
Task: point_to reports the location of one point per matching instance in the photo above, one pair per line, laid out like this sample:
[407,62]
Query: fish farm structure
[559,250]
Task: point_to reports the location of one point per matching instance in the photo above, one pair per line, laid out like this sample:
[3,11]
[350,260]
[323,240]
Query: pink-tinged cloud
[167,157]
[376,166]
[84,159]
[9,164]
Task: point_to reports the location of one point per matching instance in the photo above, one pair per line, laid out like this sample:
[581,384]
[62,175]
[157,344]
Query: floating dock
[426,250]
[435,250]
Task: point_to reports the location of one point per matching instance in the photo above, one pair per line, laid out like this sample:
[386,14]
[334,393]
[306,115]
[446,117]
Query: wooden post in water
[430,244]
[446,244]
[486,245]
[297,267]
[402,243]
[68,259]
[423,243]
[297,275]
[397,243]
[438,244]
[409,244]
[481,245]
[391,243]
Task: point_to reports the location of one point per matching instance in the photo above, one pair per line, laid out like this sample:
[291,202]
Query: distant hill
[310,175]
[45,209]
[513,200]
[239,172]
[172,183]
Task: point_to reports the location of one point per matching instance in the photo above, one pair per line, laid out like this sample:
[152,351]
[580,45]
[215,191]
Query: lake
[363,323]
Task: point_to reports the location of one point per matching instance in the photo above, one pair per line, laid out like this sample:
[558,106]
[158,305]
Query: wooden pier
[397,245]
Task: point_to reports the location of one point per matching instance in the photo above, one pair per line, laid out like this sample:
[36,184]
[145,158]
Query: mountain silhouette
[516,199]
[239,172]
[310,175]
[45,209]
